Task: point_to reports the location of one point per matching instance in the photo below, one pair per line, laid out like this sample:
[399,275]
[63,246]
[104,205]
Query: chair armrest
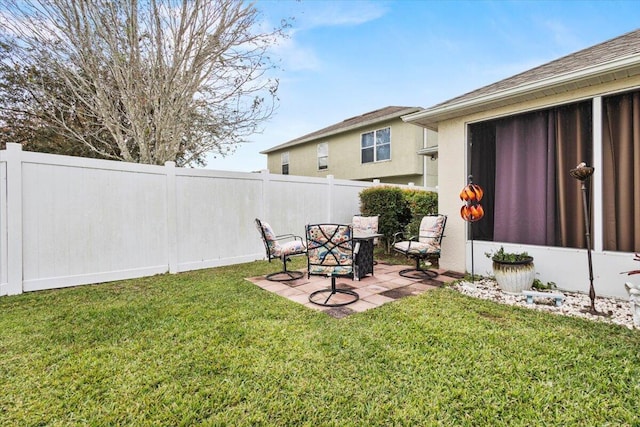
[288,236]
[402,238]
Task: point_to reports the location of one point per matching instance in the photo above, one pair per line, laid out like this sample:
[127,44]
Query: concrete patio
[386,285]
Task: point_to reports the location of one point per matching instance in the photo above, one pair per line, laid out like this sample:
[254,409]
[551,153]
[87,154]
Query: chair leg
[284,275]
[418,273]
[333,291]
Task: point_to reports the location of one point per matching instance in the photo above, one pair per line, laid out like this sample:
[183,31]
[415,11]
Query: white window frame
[323,155]
[284,161]
[375,145]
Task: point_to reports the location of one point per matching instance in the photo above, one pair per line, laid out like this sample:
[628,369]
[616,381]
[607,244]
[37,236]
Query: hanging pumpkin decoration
[471,213]
[472,210]
[471,193]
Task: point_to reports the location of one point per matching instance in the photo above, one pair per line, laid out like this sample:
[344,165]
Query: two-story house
[374,145]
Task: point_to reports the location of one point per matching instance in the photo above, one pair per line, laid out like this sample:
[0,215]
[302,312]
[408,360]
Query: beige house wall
[344,162]
[452,135]
[430,163]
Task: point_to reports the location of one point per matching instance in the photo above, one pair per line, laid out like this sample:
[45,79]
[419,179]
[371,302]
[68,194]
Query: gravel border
[573,305]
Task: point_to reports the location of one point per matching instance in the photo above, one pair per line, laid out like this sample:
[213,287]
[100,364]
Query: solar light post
[582,173]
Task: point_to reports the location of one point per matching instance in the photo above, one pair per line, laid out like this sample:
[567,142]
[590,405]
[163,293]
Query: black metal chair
[422,248]
[330,253]
[276,249]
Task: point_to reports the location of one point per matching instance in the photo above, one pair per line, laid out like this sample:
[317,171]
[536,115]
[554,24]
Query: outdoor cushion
[431,229]
[329,250]
[416,248]
[277,249]
[365,225]
[288,248]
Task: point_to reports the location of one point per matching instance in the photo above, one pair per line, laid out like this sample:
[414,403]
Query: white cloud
[338,13]
[294,56]
[311,15]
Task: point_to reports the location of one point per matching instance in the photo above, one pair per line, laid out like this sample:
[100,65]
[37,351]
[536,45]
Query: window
[376,146]
[284,159]
[522,162]
[323,155]
[621,172]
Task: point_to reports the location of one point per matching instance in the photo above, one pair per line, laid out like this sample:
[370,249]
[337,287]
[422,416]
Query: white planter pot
[514,277]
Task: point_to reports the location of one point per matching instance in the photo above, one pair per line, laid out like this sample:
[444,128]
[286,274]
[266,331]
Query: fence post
[330,192]
[172,217]
[14,219]
[266,183]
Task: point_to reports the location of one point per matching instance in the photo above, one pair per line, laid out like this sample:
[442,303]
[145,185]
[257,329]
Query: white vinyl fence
[67,221]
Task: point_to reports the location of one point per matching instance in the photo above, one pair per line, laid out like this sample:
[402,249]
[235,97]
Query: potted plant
[514,272]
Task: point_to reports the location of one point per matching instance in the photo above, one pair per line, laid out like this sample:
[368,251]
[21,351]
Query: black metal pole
[592,291]
[473,276]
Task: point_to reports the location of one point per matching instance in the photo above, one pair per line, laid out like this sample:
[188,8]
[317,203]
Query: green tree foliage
[25,113]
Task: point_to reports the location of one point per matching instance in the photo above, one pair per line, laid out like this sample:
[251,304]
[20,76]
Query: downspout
[424,158]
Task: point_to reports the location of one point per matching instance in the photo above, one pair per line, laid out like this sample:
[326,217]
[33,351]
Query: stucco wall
[452,177]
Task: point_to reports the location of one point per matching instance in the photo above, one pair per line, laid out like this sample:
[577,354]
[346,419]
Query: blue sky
[345,58]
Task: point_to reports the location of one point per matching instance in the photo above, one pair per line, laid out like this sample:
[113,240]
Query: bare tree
[145,80]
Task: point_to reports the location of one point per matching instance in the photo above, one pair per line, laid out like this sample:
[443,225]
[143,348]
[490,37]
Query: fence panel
[87,221]
[216,211]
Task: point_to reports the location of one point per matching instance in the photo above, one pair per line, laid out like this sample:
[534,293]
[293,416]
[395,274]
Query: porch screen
[523,164]
[621,172]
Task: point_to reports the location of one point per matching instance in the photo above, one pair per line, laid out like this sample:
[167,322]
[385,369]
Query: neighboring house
[520,137]
[375,145]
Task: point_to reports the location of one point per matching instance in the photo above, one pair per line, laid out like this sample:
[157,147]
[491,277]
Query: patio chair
[283,251]
[365,225]
[424,247]
[330,253]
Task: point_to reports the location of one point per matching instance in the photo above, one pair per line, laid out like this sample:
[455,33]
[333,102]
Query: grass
[209,348]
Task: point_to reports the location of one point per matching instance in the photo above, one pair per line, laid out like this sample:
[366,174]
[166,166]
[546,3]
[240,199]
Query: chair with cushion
[330,253]
[422,248]
[277,246]
[366,225]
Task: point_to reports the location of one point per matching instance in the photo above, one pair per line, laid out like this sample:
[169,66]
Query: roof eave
[430,117]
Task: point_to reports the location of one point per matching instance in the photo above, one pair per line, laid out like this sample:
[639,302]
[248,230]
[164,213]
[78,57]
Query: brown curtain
[573,138]
[523,155]
[621,172]
[536,200]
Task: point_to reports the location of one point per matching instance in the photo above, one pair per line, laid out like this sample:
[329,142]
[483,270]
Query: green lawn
[210,348]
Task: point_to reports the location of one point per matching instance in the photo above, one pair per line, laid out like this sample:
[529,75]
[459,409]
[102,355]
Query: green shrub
[420,203]
[392,208]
